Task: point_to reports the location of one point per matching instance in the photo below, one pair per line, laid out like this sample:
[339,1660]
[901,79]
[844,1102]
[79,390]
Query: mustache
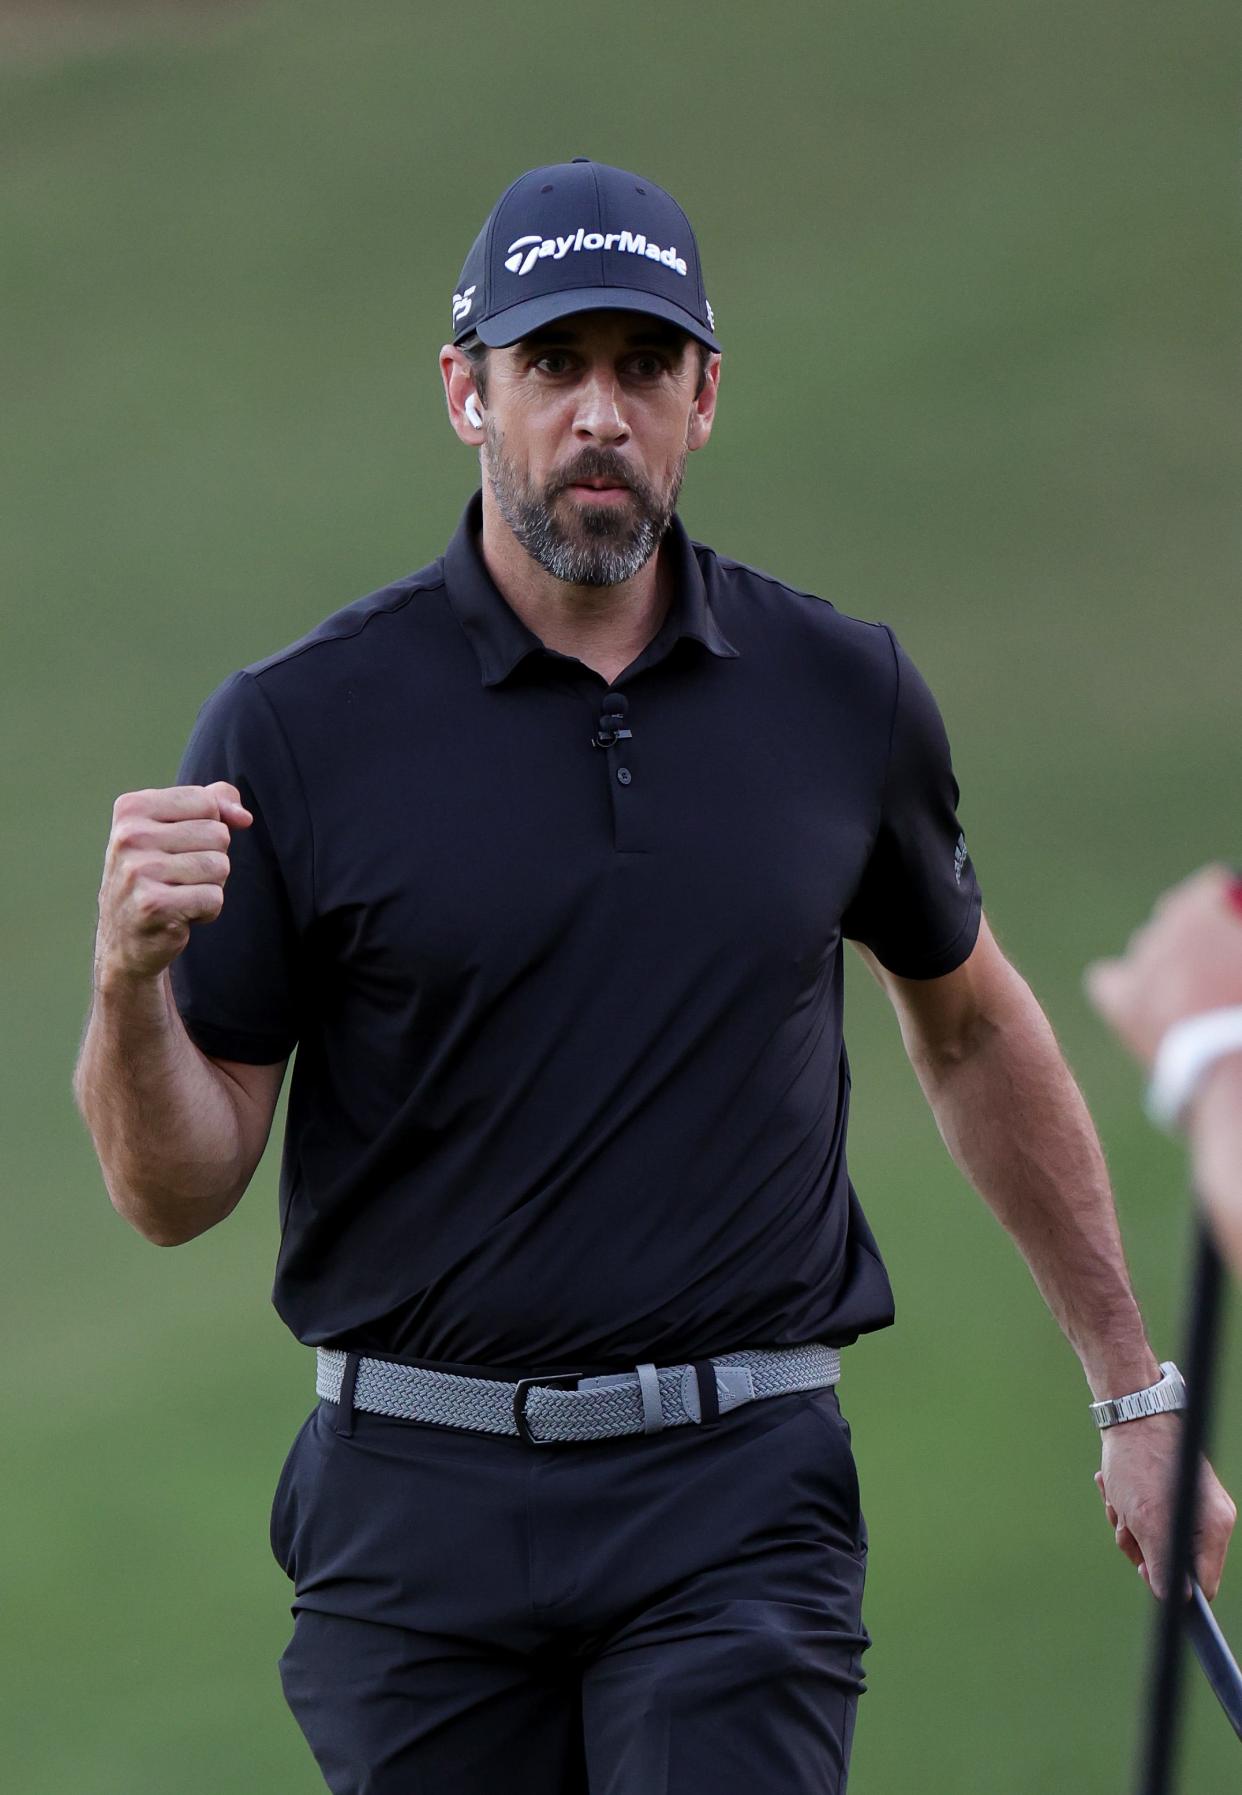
[594,464]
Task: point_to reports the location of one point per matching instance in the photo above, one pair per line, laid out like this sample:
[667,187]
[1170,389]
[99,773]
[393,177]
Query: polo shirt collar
[501,640]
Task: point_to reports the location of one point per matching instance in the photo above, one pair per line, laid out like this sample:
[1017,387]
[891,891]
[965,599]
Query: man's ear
[458,377]
[703,414]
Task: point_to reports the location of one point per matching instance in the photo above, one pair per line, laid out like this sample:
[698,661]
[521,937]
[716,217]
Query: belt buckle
[562,1381]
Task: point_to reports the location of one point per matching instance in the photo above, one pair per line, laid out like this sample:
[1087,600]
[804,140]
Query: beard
[586,545]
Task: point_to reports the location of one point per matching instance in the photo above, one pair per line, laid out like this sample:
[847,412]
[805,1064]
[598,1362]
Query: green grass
[976,272]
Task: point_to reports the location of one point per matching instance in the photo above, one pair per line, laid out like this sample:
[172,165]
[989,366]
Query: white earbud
[473,414]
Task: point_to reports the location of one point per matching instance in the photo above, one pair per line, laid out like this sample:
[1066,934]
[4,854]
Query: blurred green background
[976,271]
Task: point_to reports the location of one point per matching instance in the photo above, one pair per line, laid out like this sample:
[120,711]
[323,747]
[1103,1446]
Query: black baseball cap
[579,237]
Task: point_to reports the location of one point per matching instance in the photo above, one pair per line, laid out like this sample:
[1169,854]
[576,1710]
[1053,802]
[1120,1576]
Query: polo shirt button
[624,775]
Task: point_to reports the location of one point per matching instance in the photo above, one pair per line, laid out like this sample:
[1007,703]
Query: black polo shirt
[570,1085]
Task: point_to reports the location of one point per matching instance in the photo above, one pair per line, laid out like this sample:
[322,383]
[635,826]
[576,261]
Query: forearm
[1015,1122]
[165,1121]
[1216,1142]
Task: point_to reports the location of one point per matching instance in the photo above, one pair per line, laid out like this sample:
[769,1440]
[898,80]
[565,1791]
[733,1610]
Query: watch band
[1186,1054]
[1157,1399]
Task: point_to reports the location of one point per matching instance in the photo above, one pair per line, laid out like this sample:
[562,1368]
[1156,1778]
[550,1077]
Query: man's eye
[647,367]
[553,362]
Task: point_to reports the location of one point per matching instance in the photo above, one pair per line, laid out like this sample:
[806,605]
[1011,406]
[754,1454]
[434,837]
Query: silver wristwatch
[1157,1399]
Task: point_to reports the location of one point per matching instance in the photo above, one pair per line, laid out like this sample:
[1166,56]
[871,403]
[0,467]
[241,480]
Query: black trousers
[672,1614]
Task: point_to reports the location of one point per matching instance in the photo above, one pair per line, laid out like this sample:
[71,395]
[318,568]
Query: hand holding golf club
[165,869]
[1136,1485]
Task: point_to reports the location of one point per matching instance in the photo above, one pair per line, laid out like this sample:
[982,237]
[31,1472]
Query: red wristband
[1233,891]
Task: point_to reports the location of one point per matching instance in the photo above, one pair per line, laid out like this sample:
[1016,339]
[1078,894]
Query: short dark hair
[475,351]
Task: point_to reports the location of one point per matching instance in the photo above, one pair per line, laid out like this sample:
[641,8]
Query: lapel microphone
[613,711]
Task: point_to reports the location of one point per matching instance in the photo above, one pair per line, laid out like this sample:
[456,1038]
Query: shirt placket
[620,768]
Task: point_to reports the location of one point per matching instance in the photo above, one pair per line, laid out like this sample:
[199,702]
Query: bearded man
[543,859]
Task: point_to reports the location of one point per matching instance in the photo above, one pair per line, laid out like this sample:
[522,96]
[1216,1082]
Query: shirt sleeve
[918,904]
[236,984]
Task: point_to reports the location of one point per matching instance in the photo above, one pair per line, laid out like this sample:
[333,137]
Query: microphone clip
[607,737]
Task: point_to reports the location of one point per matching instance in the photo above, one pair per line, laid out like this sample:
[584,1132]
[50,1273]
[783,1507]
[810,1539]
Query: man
[1175,1000]
[543,858]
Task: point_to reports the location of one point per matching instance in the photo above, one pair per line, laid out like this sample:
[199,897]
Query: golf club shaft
[1163,1706]
[1216,1661]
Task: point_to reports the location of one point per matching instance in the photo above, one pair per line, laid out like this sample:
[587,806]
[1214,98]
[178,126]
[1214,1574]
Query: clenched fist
[166,866]
[1185,960]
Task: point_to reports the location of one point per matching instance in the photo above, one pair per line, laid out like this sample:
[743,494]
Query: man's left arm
[1015,1122]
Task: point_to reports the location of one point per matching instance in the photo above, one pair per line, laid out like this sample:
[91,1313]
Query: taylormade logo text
[526,251]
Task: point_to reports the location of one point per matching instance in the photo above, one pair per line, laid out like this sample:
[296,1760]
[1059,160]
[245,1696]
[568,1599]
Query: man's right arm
[178,1134]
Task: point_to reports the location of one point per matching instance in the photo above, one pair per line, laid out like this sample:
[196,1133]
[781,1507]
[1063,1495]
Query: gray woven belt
[571,1407]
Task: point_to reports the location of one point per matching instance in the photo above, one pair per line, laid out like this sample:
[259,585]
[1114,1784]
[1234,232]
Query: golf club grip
[1163,1706]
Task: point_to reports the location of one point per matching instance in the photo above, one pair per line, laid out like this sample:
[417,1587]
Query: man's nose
[598,416]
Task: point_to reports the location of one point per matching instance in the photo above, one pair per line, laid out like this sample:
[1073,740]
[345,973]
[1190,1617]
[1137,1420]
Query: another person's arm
[1186,962]
[1215,1126]
[1013,1119]
[178,1134]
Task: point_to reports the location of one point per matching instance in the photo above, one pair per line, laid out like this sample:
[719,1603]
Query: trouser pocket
[282,1524]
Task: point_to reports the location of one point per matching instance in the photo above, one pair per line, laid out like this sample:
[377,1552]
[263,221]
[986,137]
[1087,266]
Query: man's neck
[605,627]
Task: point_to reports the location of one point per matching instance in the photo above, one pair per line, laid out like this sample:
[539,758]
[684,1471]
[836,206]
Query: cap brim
[521,320]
